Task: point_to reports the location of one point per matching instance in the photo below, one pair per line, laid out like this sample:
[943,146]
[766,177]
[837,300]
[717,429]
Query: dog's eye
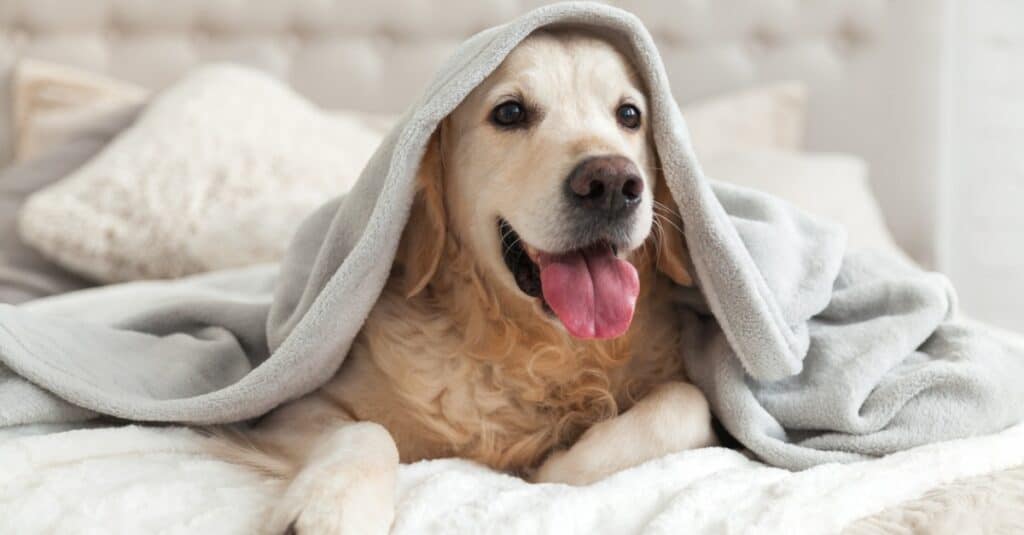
[628,116]
[509,113]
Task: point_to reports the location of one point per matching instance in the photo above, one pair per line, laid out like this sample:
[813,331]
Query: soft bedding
[760,348]
[144,480]
[808,352]
[989,503]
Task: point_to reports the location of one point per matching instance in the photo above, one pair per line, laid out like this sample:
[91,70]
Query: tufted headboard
[873,66]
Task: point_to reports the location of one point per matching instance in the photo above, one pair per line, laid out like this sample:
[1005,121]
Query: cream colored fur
[454,359]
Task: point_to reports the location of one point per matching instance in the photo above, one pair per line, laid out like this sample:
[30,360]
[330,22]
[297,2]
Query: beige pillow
[52,103]
[160,203]
[833,186]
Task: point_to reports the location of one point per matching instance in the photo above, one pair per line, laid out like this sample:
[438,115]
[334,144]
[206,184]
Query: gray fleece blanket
[808,353]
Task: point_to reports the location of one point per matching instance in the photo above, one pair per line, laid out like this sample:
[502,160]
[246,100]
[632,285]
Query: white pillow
[833,186]
[220,169]
[217,172]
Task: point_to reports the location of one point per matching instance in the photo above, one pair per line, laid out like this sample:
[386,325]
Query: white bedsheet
[147,480]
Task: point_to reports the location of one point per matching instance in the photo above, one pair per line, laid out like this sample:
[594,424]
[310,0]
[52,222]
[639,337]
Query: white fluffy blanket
[148,480]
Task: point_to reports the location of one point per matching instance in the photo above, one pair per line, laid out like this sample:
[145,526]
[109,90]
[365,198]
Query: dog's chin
[599,307]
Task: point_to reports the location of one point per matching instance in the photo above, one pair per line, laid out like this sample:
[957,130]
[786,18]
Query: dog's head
[547,174]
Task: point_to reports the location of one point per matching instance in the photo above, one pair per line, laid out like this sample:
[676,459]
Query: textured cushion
[165,202]
[217,172]
[833,186]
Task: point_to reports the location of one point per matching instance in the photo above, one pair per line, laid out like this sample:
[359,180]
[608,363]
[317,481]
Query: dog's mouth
[590,290]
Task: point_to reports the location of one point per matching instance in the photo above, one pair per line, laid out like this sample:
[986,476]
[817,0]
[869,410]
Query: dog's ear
[673,256]
[423,240]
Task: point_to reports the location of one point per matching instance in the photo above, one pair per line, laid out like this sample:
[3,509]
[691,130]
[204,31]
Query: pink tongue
[592,291]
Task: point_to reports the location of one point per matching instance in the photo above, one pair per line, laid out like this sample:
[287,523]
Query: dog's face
[548,177]
[554,143]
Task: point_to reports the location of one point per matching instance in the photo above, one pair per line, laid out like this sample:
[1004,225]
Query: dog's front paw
[348,502]
[674,417]
[570,469]
[348,488]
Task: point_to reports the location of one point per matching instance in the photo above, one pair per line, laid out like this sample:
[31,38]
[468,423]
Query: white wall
[982,216]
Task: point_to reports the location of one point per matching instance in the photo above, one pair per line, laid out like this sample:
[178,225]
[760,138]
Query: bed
[867,66]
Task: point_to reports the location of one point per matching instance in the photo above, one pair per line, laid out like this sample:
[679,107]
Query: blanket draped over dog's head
[808,353]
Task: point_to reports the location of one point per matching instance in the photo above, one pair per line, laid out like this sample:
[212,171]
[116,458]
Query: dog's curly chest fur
[458,377]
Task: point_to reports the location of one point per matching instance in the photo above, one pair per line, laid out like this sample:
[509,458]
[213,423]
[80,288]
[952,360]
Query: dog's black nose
[605,184]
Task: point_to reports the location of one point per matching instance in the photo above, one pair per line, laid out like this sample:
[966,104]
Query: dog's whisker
[662,206]
[509,247]
[672,223]
[664,211]
[506,233]
[665,214]
[658,230]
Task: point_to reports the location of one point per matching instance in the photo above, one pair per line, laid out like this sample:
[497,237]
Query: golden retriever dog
[526,324]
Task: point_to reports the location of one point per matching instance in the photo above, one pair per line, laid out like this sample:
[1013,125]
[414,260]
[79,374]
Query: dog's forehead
[563,47]
[553,59]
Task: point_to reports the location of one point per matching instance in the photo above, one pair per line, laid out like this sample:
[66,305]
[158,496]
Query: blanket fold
[808,352]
